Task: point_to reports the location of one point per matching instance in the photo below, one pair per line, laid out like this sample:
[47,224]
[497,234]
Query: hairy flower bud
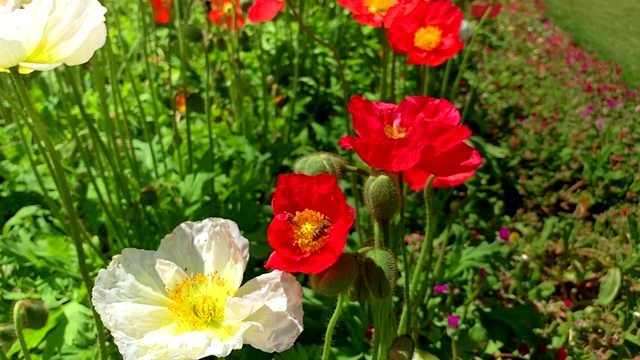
[149,196]
[321,163]
[379,271]
[34,315]
[337,278]
[382,195]
[192,32]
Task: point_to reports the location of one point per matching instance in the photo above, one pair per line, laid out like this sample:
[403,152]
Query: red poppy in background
[478,10]
[310,225]
[374,12]
[417,179]
[420,131]
[161,11]
[265,10]
[222,14]
[429,33]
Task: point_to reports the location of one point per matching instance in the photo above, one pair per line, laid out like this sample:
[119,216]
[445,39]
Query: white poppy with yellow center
[185,301]
[44,34]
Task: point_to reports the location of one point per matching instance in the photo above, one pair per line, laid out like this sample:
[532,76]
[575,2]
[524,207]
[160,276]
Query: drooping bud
[34,315]
[192,32]
[379,271]
[382,195]
[149,196]
[337,277]
[321,163]
[7,334]
[402,348]
[359,290]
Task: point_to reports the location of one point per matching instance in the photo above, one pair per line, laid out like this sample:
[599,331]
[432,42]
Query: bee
[321,230]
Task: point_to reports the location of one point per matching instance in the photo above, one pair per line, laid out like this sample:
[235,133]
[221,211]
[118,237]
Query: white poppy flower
[185,301]
[44,34]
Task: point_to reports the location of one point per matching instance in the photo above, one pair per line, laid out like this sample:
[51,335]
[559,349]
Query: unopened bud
[34,315]
[149,196]
[359,290]
[337,277]
[379,270]
[7,334]
[321,163]
[402,348]
[382,196]
[192,32]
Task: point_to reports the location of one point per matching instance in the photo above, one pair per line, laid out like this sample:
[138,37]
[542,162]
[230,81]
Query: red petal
[265,10]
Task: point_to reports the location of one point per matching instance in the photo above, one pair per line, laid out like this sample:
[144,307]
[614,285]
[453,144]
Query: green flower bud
[337,277]
[380,273]
[382,196]
[7,334]
[321,163]
[359,290]
[34,315]
[192,32]
[401,348]
[149,196]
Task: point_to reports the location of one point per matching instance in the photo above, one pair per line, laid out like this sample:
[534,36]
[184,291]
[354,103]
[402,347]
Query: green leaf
[610,286]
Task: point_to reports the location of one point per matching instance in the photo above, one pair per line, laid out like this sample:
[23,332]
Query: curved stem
[56,168]
[18,324]
[326,349]
[405,318]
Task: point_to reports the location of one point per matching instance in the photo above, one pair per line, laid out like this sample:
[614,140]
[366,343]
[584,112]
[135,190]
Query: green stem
[465,57]
[185,89]
[326,350]
[62,184]
[385,64]
[426,80]
[17,322]
[426,252]
[3,355]
[406,313]
[445,80]
[377,235]
[454,350]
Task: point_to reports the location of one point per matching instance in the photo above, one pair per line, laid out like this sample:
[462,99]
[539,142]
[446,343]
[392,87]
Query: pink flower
[440,289]
[453,321]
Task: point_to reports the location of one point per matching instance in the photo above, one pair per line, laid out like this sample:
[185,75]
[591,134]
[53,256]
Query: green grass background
[611,28]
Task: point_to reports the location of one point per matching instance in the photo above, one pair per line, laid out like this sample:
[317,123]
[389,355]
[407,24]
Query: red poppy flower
[370,12]
[222,14]
[265,10]
[420,131]
[161,11]
[429,33]
[478,10]
[311,223]
[417,179]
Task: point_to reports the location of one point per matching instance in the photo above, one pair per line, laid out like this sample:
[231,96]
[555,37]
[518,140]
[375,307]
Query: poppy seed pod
[336,278]
[321,163]
[382,196]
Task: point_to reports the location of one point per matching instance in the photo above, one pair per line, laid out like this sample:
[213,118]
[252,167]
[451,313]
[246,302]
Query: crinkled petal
[208,246]
[273,304]
[265,10]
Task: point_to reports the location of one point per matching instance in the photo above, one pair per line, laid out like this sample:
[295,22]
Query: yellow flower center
[227,8]
[427,38]
[395,132]
[379,6]
[199,302]
[311,230]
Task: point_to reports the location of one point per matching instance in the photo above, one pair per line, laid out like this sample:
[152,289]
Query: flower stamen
[199,302]
[310,229]
[379,7]
[427,38]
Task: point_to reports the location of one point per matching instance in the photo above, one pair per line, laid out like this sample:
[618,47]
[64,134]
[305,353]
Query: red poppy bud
[382,196]
[337,277]
[321,163]
[379,269]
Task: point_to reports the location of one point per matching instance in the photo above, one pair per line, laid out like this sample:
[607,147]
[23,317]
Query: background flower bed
[555,125]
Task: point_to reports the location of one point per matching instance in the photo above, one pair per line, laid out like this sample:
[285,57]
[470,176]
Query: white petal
[136,320]
[11,52]
[94,41]
[130,278]
[170,273]
[272,303]
[208,246]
